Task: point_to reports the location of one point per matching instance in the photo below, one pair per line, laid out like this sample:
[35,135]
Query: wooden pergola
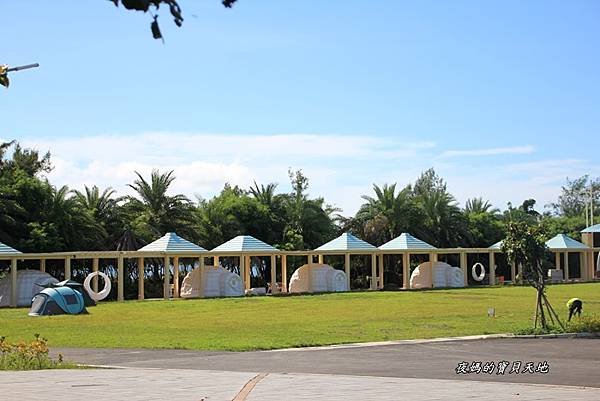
[405,245]
[566,245]
[245,247]
[347,245]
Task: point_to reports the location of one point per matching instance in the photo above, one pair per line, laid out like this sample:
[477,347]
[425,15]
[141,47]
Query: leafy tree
[154,212]
[524,245]
[388,214]
[146,5]
[478,205]
[575,195]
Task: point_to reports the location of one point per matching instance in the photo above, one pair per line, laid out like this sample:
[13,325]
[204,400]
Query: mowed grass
[278,322]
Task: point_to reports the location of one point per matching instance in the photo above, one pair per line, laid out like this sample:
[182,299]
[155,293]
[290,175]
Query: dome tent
[57,301]
[29,283]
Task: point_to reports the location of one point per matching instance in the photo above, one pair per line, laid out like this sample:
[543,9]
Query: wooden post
[320,259]
[347,269]
[167,278]
[381,272]
[566,266]
[95,264]
[176,277]
[492,279]
[243,271]
[406,271]
[216,261]
[582,267]
[67,268]
[373,271]
[273,274]
[284,272]
[432,259]
[464,267]
[120,279]
[248,272]
[201,273]
[13,283]
[310,275]
[141,278]
[43,265]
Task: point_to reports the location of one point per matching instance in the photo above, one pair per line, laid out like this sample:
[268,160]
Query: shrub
[28,356]
[585,324]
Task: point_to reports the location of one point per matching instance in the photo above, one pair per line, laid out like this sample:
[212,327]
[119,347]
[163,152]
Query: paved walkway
[134,384]
[571,362]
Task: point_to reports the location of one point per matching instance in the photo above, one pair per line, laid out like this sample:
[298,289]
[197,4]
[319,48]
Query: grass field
[279,322]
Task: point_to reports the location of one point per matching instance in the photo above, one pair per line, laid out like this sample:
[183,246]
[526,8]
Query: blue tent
[57,301]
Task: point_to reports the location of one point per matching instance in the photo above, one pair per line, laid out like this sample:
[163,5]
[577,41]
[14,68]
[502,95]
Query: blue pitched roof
[7,250]
[172,243]
[346,242]
[245,243]
[406,242]
[592,229]
[562,241]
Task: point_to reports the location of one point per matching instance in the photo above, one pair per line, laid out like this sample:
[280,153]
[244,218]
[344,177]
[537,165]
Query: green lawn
[279,322]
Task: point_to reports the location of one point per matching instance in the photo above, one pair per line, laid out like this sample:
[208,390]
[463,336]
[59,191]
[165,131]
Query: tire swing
[97,296]
[481,275]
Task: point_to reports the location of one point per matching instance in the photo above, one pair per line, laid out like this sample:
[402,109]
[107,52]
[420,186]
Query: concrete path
[134,384]
[571,362]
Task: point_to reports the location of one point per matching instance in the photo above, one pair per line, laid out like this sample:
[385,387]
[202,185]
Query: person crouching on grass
[575,306]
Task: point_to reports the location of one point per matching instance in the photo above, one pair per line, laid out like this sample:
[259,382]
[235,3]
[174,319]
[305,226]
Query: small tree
[524,245]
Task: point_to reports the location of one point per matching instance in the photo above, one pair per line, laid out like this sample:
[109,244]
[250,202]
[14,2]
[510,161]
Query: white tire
[97,296]
[481,275]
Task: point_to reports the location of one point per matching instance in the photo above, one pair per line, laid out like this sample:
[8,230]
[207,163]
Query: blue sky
[501,97]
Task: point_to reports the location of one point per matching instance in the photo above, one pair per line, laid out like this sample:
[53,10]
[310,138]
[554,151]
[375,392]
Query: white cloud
[516,150]
[340,168]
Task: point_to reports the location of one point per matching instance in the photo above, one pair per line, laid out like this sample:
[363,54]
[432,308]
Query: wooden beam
[141,278]
[167,278]
[284,273]
[347,269]
[492,279]
[273,274]
[120,279]
[464,267]
[243,270]
[176,277]
[406,270]
[310,276]
[95,265]
[67,268]
[13,283]
[381,269]
[373,271]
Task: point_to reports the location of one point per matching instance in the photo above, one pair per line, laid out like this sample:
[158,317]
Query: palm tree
[158,213]
[478,205]
[264,195]
[101,205]
[388,214]
[446,225]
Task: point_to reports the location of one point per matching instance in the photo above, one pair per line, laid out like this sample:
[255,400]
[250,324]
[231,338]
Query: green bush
[28,356]
[538,331]
[585,324]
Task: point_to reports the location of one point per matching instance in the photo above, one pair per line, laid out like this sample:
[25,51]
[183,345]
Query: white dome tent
[29,283]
